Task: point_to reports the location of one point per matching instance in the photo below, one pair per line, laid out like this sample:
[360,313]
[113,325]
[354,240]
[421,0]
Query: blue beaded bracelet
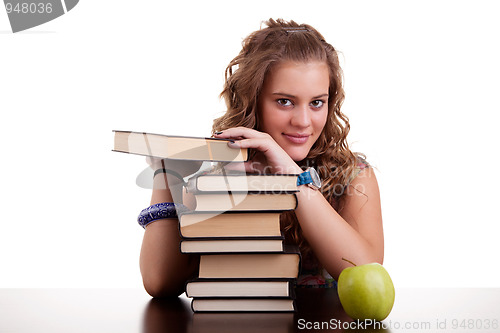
[164,210]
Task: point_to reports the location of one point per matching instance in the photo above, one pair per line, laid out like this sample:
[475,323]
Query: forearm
[330,236]
[164,268]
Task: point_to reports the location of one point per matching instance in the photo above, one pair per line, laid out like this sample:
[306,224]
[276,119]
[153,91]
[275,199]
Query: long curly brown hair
[283,41]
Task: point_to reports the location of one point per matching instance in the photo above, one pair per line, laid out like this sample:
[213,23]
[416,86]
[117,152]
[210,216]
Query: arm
[355,233]
[164,268]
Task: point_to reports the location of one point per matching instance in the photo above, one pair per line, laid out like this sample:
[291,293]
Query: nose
[301,117]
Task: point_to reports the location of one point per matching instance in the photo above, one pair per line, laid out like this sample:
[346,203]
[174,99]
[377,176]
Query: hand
[270,157]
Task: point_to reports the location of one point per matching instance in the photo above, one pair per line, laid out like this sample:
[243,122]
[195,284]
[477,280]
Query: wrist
[289,170]
[311,178]
[159,211]
[166,188]
[161,195]
[166,178]
[297,170]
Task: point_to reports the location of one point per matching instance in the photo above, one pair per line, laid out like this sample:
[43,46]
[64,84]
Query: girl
[283,94]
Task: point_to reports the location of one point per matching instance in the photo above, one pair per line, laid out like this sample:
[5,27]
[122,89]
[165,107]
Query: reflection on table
[317,310]
[430,310]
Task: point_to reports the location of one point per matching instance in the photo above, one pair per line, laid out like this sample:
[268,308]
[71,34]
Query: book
[177,147]
[245,202]
[242,322]
[251,265]
[240,288]
[229,224]
[243,305]
[243,182]
[234,244]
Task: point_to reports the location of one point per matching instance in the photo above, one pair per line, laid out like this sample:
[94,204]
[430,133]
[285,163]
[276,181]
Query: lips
[297,138]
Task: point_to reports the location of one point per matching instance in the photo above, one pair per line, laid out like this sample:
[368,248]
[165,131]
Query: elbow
[373,255]
[380,260]
[367,257]
[162,292]
[167,279]
[158,287]
[378,255]
[162,283]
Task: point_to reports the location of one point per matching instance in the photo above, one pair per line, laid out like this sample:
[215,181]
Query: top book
[177,147]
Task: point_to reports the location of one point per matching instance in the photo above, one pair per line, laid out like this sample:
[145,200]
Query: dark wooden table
[319,310]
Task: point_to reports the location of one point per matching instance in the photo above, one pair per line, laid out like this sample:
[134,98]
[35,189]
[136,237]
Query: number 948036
[29,8]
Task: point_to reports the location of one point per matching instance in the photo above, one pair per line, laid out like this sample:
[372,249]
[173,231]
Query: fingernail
[217,133]
[232,143]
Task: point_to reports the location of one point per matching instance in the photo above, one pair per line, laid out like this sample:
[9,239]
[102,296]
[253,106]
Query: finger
[261,144]
[239,133]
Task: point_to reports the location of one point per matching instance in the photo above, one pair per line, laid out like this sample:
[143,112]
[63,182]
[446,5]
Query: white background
[421,79]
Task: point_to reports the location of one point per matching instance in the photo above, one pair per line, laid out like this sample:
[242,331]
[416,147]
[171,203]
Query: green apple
[366,291]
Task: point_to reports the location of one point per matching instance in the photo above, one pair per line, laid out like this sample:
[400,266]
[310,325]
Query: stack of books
[244,264]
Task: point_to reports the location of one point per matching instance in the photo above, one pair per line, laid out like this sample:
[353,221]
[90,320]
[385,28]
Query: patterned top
[312,275]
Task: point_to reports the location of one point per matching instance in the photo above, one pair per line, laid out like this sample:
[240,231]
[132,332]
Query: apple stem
[349,261]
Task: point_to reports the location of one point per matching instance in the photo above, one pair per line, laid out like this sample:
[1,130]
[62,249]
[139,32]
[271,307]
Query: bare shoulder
[364,188]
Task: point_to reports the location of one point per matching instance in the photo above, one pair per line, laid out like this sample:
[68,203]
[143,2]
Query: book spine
[194,309]
[224,186]
[290,282]
[192,306]
[191,188]
[214,214]
[287,250]
[203,238]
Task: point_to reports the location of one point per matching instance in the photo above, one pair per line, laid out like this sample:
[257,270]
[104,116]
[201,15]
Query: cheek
[319,121]
[271,121]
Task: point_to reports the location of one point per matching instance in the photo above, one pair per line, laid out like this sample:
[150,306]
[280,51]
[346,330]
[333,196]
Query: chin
[298,156]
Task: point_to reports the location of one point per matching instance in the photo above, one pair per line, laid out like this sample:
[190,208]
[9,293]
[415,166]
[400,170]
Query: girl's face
[294,105]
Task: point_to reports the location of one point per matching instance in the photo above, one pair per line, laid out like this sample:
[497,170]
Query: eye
[317,104]
[284,102]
